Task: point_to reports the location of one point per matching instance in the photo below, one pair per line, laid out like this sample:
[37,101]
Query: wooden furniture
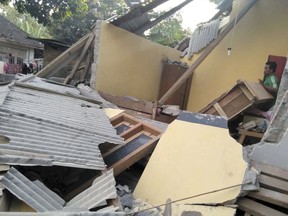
[140,140]
[243,133]
[242,96]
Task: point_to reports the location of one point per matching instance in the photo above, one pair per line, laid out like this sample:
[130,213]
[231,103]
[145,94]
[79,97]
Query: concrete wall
[129,64]
[261,32]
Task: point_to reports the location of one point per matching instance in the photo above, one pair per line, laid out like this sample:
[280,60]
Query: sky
[193,13]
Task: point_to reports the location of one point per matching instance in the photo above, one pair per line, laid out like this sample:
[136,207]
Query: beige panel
[191,159]
[261,32]
[129,64]
[112,112]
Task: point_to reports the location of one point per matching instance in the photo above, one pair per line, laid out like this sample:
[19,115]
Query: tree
[47,10]
[69,20]
[25,22]
[169,32]
[73,27]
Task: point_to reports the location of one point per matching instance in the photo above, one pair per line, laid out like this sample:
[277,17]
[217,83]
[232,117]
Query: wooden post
[79,60]
[87,65]
[61,59]
[205,53]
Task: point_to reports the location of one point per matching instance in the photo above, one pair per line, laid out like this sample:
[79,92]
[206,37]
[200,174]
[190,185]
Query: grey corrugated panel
[103,188]
[4,91]
[38,140]
[52,107]
[47,128]
[27,124]
[46,84]
[50,193]
[89,92]
[61,213]
[136,23]
[36,197]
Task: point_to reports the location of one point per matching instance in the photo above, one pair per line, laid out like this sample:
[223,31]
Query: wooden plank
[270,170]
[270,196]
[51,67]
[79,60]
[248,93]
[134,13]
[132,158]
[129,103]
[219,109]
[273,183]
[242,138]
[257,209]
[56,92]
[154,22]
[205,53]
[250,133]
[127,135]
[87,66]
[123,117]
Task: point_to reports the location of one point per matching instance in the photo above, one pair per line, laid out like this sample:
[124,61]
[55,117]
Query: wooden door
[170,74]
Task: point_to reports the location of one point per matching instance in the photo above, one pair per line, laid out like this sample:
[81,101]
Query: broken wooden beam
[63,59]
[79,60]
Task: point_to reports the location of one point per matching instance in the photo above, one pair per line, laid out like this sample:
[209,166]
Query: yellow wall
[129,64]
[262,31]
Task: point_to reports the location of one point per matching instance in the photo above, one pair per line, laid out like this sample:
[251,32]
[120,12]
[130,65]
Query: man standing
[270,81]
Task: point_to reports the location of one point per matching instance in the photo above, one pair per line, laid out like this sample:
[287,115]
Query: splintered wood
[272,197]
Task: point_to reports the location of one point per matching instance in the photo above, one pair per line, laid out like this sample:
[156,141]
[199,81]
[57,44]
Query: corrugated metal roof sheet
[63,213]
[12,33]
[39,198]
[135,23]
[103,188]
[52,129]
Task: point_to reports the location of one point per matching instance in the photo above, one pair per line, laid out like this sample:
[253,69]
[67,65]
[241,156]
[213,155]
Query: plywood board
[112,112]
[190,159]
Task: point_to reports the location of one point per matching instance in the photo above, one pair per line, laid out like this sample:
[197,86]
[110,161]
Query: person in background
[24,68]
[270,81]
[30,68]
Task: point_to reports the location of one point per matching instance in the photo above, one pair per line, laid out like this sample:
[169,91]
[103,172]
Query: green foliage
[67,20]
[73,27]
[169,32]
[109,8]
[47,10]
[25,22]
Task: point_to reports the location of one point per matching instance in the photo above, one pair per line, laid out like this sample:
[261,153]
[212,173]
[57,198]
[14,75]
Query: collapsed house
[197,168]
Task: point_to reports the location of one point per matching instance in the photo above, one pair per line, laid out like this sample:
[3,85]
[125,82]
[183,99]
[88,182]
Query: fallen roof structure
[44,125]
[67,136]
